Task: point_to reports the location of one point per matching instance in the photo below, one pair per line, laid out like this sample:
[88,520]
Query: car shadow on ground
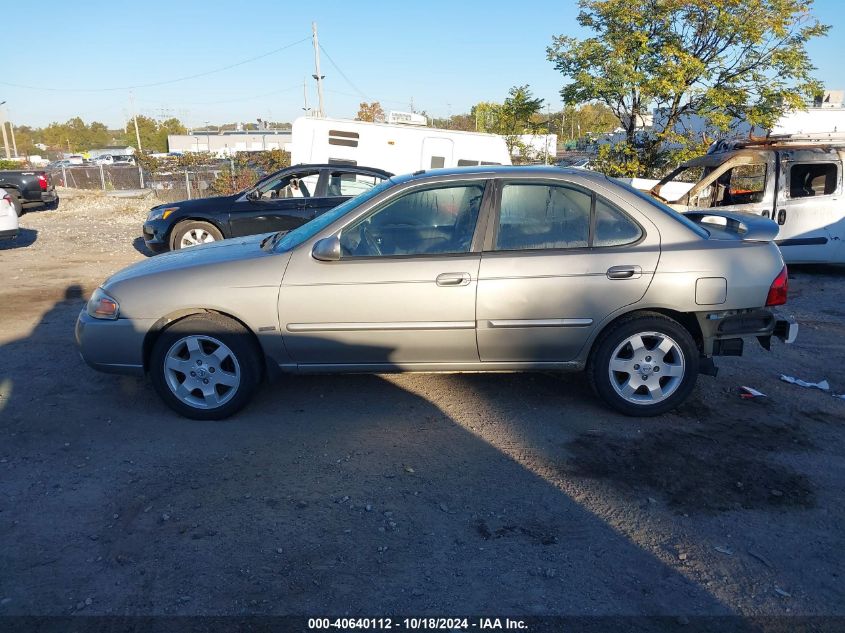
[329,494]
[25,237]
[139,245]
[696,461]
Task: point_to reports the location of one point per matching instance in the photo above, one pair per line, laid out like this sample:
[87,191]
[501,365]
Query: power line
[251,98]
[162,83]
[342,74]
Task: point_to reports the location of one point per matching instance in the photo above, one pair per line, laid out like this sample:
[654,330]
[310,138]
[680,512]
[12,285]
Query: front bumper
[8,234]
[115,347]
[155,236]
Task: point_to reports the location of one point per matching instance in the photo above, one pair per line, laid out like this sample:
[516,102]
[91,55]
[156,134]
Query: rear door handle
[781,216]
[453,279]
[624,272]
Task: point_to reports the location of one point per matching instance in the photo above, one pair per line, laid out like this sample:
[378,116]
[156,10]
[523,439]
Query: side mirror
[327,249]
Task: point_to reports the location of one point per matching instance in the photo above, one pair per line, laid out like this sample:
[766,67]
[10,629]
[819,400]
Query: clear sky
[446,56]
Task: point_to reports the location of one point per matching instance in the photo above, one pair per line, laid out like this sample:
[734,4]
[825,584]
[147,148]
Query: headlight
[161,214]
[102,306]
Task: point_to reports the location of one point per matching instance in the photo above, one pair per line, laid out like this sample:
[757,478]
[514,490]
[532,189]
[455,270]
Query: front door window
[298,185]
[428,222]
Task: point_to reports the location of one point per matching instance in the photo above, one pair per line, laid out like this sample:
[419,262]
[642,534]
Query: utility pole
[305,95]
[321,112]
[5,138]
[135,120]
[548,130]
[14,143]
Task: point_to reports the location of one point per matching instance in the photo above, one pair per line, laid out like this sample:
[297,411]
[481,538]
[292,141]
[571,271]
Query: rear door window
[539,216]
[535,216]
[342,183]
[812,179]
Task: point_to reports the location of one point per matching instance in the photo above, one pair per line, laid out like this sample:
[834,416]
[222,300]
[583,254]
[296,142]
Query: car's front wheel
[645,365]
[205,367]
[194,233]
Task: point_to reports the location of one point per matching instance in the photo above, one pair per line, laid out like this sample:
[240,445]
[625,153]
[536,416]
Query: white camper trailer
[392,147]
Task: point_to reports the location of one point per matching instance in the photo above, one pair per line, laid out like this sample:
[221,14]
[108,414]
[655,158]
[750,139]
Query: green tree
[153,134]
[517,116]
[74,135]
[369,111]
[723,60]
[486,115]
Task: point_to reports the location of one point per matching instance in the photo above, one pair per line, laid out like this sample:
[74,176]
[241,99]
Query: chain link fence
[166,185]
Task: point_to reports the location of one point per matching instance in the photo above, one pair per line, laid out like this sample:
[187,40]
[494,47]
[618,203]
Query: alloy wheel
[646,368]
[195,237]
[202,372]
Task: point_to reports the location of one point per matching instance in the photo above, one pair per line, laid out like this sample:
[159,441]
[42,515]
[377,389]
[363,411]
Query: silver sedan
[481,269]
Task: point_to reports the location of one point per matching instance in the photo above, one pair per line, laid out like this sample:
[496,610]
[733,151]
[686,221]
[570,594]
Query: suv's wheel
[205,367]
[645,365]
[193,233]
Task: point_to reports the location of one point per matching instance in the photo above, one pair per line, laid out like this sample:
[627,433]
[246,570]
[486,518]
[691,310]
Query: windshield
[692,226]
[308,230]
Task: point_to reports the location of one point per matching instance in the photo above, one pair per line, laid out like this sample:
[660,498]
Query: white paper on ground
[822,384]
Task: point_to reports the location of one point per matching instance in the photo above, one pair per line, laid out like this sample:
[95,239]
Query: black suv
[279,202]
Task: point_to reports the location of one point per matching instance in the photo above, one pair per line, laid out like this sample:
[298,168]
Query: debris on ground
[822,384]
[724,550]
[747,393]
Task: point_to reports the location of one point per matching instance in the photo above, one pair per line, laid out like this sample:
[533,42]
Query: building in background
[228,143]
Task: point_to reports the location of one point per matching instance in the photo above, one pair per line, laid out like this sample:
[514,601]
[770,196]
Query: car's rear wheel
[205,367]
[645,365]
[194,233]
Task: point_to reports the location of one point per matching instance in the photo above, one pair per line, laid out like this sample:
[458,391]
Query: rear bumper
[786,329]
[723,331]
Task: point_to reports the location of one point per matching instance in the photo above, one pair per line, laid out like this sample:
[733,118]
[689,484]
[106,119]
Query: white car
[8,217]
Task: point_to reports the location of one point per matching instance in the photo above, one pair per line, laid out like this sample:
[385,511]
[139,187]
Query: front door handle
[624,272]
[453,279]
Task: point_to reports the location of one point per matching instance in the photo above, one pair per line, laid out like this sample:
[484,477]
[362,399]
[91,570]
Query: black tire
[190,226]
[17,205]
[683,357]
[52,206]
[245,361]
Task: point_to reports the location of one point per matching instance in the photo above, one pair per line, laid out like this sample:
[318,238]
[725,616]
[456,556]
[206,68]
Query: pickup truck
[29,189]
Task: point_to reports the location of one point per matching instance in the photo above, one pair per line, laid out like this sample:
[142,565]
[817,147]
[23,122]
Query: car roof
[336,166]
[503,171]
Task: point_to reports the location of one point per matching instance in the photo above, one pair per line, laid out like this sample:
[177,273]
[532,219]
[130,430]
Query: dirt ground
[417,494]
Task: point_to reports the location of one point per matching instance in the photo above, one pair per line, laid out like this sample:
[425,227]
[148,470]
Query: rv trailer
[398,148]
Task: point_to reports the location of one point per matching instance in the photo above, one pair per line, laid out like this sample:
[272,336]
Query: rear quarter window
[665,209]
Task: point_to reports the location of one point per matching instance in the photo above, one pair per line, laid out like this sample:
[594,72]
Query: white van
[393,147]
[796,180]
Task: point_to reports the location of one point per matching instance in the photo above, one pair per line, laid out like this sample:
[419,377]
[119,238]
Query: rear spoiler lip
[747,227]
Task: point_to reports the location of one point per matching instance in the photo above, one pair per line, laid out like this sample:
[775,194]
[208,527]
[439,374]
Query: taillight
[42,181]
[777,291]
[8,198]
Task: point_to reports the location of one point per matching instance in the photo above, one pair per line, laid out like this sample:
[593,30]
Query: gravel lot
[414,494]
